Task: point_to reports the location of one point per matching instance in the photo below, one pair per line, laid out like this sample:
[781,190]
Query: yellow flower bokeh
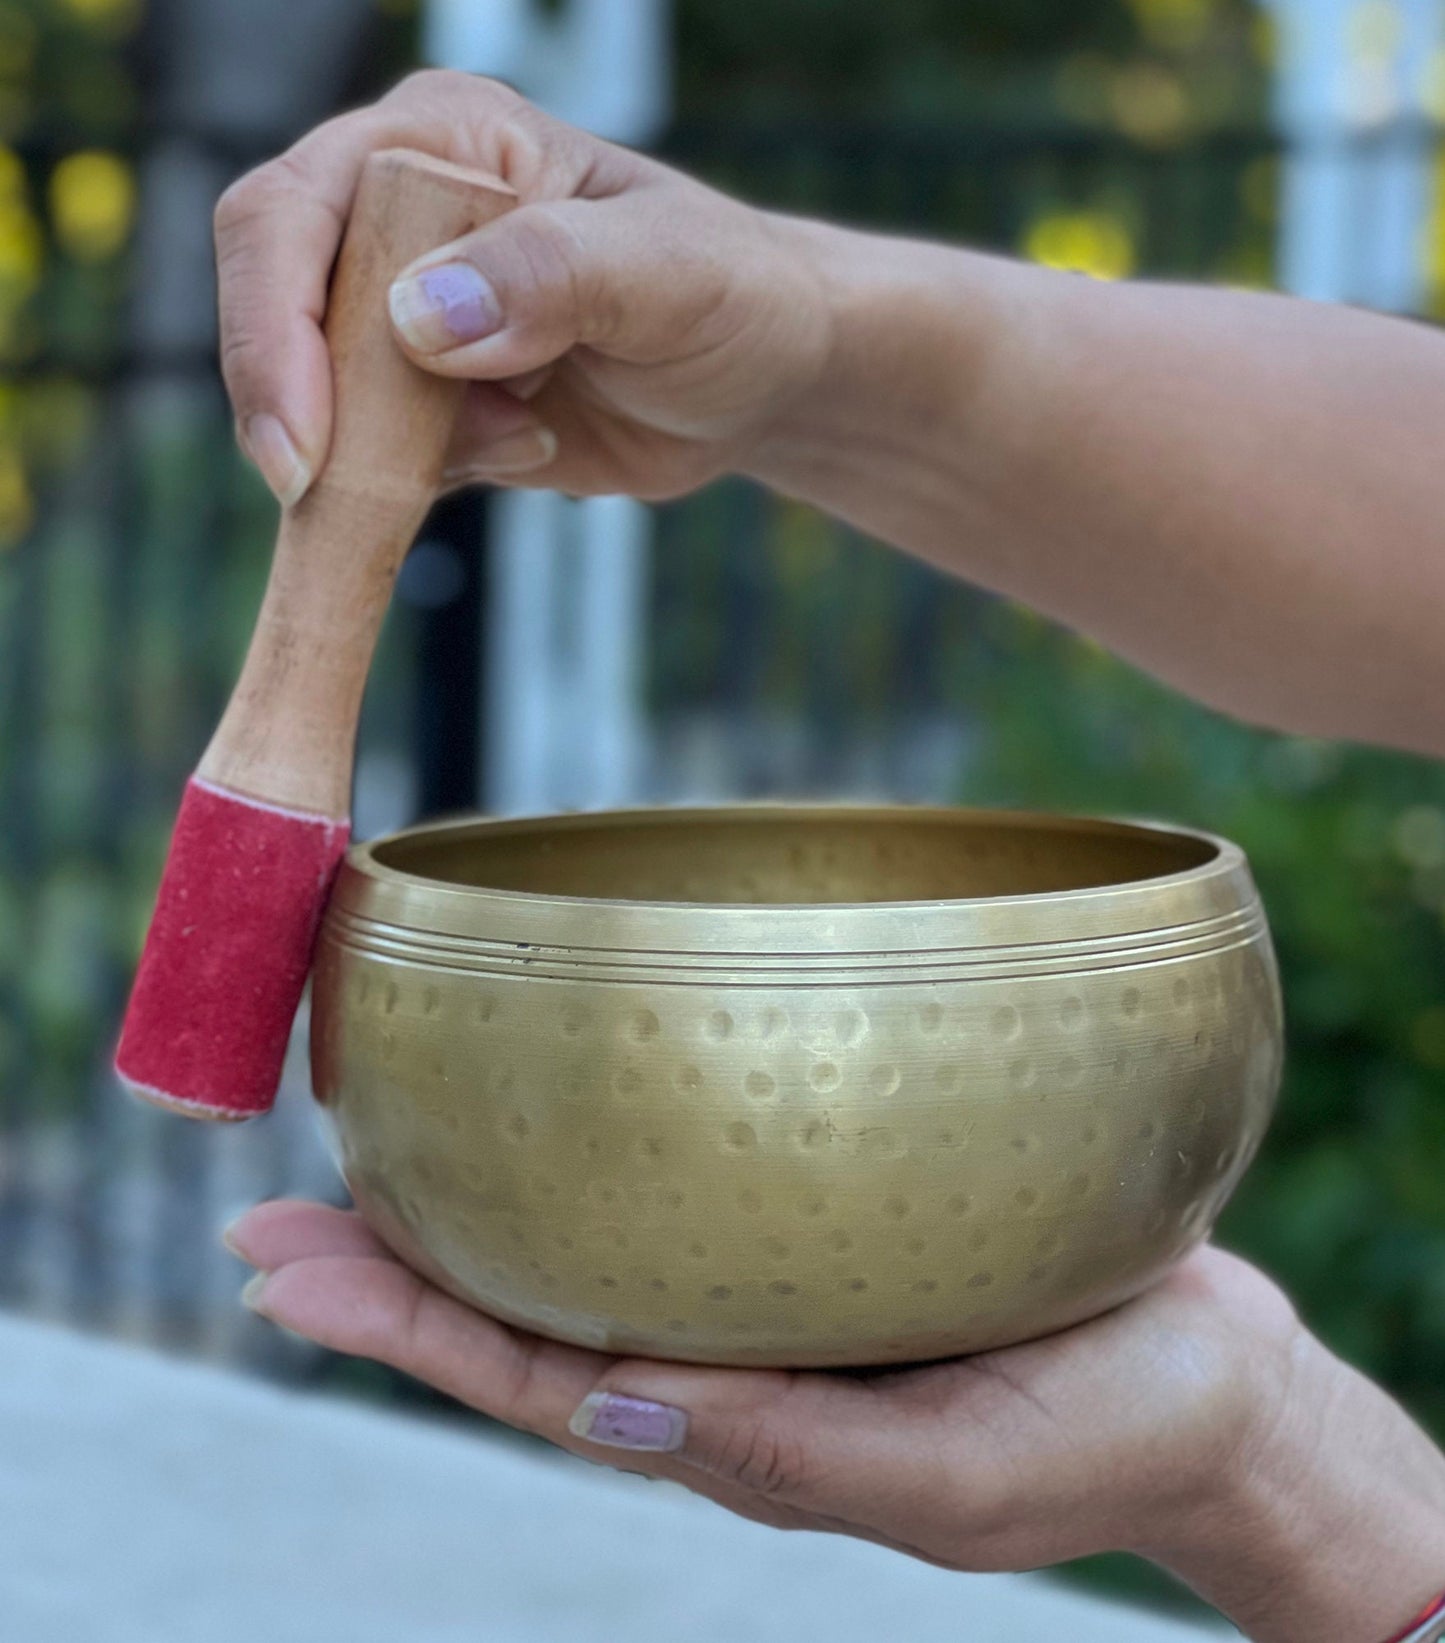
[114,15]
[22,240]
[17,503]
[92,204]
[1432,248]
[1174,24]
[1148,103]
[1082,242]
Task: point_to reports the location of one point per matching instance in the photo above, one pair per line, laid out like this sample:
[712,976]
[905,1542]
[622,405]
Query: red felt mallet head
[264,821]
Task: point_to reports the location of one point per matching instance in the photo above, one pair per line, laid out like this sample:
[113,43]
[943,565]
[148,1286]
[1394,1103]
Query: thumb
[812,1442]
[611,274]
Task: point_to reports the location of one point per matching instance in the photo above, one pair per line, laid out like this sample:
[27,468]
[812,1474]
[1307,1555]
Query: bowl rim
[1227,858]
[1213,902]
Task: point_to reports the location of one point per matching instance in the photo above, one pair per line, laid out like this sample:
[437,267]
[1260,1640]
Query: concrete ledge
[149,1501]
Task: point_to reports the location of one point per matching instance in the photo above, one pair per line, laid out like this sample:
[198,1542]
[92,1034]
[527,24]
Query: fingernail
[445,306]
[516,453]
[278,459]
[251,1291]
[628,1423]
[228,1236]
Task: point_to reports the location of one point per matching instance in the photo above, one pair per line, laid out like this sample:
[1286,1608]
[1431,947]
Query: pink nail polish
[444,307]
[621,1422]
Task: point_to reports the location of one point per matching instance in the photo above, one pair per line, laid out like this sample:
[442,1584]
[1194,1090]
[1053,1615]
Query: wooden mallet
[264,821]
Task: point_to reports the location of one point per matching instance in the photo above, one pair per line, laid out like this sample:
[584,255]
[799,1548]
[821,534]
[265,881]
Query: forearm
[1243,494]
[1334,1528]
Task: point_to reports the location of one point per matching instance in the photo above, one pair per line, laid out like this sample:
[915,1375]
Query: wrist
[1328,1521]
[908,411]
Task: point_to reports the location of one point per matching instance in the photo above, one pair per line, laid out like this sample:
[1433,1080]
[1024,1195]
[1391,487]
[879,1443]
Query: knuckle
[424,89]
[239,354]
[525,120]
[240,203]
[551,159]
[756,1457]
[418,83]
[545,250]
[501,91]
[254,196]
[545,236]
[517,1403]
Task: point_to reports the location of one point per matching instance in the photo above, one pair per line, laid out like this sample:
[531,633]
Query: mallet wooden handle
[287,736]
[263,824]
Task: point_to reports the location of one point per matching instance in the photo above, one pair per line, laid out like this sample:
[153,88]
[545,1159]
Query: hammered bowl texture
[795,1086]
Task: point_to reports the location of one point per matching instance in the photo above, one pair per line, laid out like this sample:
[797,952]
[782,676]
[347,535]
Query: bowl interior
[777,857]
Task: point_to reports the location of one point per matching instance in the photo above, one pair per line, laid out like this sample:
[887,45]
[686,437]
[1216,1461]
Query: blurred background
[726,646]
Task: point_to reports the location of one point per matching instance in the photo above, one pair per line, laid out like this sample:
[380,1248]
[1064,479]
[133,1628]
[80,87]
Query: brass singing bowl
[801,1086]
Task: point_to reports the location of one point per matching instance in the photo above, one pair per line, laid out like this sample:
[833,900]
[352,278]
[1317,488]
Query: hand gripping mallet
[265,819]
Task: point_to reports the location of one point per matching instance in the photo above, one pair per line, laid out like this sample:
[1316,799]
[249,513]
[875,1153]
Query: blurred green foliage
[1159,70]
[1344,1204]
[1348,845]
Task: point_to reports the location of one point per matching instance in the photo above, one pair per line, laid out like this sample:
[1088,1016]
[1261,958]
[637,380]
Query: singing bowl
[800,1086]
